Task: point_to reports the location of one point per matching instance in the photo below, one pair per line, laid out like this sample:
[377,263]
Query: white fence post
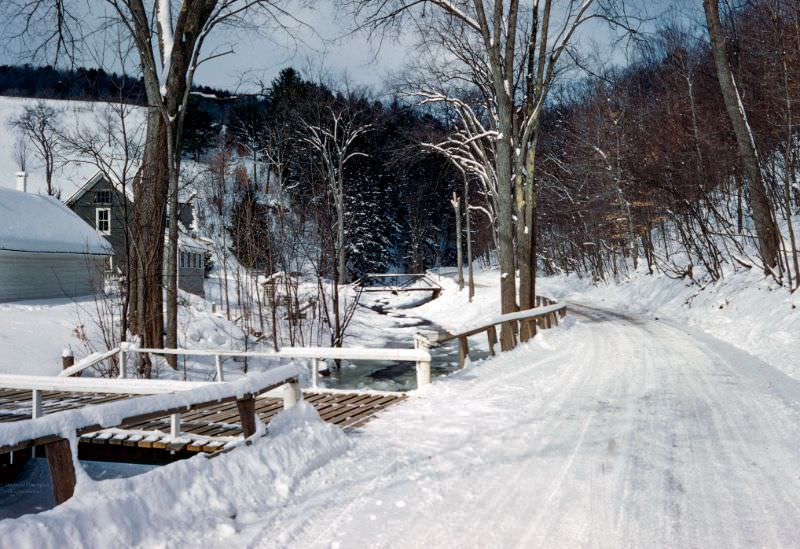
[36,404]
[175,426]
[218,365]
[314,372]
[423,366]
[291,394]
[123,346]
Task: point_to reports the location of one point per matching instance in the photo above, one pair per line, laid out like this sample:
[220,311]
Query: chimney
[22,182]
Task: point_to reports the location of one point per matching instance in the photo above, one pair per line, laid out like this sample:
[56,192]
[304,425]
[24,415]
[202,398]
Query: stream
[398,333]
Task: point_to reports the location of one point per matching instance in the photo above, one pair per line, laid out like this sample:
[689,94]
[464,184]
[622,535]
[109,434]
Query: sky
[317,43]
[321,47]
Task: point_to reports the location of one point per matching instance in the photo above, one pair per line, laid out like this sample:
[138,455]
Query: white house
[46,250]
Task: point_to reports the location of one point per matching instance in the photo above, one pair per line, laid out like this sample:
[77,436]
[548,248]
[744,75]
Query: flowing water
[398,376]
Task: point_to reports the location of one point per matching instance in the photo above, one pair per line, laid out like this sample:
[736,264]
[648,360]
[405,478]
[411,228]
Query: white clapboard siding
[27,275]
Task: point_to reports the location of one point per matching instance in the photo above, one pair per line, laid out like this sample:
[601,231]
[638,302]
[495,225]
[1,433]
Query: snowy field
[628,426]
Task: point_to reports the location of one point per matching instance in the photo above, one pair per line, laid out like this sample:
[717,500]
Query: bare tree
[169,37]
[334,139]
[112,143]
[509,54]
[21,153]
[39,125]
[763,217]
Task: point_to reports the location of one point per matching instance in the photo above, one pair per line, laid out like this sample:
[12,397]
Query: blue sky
[321,48]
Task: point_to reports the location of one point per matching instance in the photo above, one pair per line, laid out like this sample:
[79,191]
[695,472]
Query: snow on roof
[35,223]
[92,181]
[189,244]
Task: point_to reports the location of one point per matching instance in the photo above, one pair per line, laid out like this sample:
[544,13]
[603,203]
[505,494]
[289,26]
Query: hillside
[73,169]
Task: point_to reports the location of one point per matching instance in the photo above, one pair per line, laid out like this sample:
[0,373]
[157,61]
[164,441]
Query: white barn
[46,250]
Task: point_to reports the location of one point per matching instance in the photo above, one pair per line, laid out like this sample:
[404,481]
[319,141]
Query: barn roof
[35,223]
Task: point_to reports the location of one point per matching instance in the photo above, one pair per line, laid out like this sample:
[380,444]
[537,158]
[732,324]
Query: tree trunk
[147,252]
[341,252]
[459,256]
[471,279]
[766,229]
[172,251]
[505,224]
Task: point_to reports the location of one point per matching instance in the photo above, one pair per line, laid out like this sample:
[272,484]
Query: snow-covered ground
[616,429]
[34,334]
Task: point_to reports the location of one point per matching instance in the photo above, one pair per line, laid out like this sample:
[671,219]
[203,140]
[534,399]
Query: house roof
[91,182]
[188,244]
[35,223]
[185,194]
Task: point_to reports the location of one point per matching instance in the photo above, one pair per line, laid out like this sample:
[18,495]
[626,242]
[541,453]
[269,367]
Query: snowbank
[195,502]
[745,309]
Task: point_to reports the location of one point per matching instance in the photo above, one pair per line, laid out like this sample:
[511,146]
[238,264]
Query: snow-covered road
[617,432]
[611,431]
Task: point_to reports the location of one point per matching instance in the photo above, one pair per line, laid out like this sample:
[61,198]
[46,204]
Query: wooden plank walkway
[205,429]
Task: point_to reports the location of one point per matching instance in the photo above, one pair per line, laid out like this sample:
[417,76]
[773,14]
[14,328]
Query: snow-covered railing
[403,282]
[54,431]
[418,355]
[87,362]
[544,316]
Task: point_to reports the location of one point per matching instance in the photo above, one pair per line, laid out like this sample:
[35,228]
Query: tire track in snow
[639,433]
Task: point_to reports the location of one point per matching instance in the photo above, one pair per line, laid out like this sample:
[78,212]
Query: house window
[102,197]
[103,220]
[183,260]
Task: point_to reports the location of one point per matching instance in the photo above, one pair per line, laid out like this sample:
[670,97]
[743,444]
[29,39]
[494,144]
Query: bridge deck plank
[199,427]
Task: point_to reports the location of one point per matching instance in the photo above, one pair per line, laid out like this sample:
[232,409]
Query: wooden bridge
[157,421]
[398,283]
[207,429]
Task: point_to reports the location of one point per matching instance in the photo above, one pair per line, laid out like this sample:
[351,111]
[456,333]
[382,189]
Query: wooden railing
[544,316]
[164,397]
[418,355]
[398,282]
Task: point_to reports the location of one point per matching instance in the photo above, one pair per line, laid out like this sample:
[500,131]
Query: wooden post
[314,372]
[531,326]
[123,361]
[463,351]
[491,334]
[36,404]
[291,394]
[67,359]
[62,470]
[423,373]
[247,414]
[421,341]
[175,426]
[218,366]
